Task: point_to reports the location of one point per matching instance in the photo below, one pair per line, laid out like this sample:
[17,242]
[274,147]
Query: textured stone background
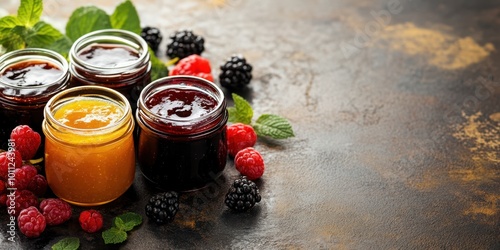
[396,110]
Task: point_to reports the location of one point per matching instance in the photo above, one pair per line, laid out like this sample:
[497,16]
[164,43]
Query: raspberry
[38,185]
[22,177]
[26,141]
[239,136]
[161,208]
[152,36]
[185,43]
[193,65]
[3,188]
[31,222]
[242,195]
[11,159]
[90,220]
[236,73]
[249,163]
[21,200]
[55,211]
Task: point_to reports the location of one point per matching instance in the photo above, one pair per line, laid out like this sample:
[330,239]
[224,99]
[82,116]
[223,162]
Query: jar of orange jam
[89,146]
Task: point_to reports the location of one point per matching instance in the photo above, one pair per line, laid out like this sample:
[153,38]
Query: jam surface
[175,103]
[108,55]
[31,73]
[88,113]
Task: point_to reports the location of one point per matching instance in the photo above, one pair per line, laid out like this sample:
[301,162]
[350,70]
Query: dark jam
[25,88]
[107,56]
[182,157]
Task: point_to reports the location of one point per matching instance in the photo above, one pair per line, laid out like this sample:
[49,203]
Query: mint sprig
[268,125]
[121,225]
[70,243]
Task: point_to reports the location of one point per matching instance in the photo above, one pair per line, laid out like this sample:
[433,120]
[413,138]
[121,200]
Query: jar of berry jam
[28,79]
[182,135]
[112,58]
[89,145]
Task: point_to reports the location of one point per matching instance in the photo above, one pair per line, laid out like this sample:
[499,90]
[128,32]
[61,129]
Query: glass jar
[28,79]
[111,58]
[182,132]
[89,146]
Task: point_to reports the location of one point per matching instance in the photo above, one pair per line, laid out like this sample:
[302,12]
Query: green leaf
[42,35]
[273,126]
[11,42]
[158,69]
[127,221]
[114,236]
[7,23]
[29,12]
[125,17]
[70,243]
[241,112]
[86,19]
[61,46]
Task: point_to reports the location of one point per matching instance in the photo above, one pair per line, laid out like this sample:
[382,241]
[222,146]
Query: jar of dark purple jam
[28,79]
[111,58]
[182,132]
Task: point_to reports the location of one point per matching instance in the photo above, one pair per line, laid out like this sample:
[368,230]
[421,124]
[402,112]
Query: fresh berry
[152,36]
[26,141]
[185,43]
[3,187]
[31,222]
[242,195]
[249,163]
[193,65]
[239,136]
[3,200]
[12,160]
[21,200]
[162,207]
[55,211]
[22,177]
[90,220]
[236,73]
[38,185]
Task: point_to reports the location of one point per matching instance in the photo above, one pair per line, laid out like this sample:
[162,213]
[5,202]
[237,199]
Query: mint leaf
[86,19]
[114,236]
[29,12]
[241,112]
[42,35]
[61,46]
[7,23]
[127,221]
[125,17]
[70,243]
[158,69]
[273,126]
[8,39]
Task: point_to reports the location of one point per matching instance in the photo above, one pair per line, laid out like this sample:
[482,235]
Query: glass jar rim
[124,37]
[92,91]
[152,89]
[28,54]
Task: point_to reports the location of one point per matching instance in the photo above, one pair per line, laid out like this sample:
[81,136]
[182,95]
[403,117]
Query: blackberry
[236,73]
[162,207]
[185,43]
[242,195]
[152,36]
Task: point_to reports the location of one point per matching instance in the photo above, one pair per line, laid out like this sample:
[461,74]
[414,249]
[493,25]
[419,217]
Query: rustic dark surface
[397,126]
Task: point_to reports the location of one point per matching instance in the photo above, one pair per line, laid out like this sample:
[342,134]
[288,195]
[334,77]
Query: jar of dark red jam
[182,135]
[28,79]
[112,58]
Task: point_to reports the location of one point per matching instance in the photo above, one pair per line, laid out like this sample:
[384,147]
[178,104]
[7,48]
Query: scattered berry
[242,195]
[38,185]
[249,163]
[26,141]
[185,43]
[22,199]
[10,159]
[239,136]
[236,73]
[152,36]
[55,211]
[162,207]
[193,65]
[3,188]
[90,220]
[22,177]
[31,222]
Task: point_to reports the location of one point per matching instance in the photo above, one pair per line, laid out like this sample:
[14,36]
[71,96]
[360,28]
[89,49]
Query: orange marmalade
[89,150]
